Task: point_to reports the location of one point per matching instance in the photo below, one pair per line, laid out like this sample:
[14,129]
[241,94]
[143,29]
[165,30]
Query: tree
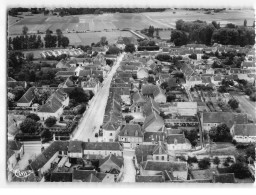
[193,56]
[151,79]
[192,136]
[164,85]
[151,30]
[59,37]
[234,104]
[245,23]
[30,56]
[171,98]
[24,30]
[113,50]
[46,134]
[204,163]
[50,121]
[33,116]
[103,41]
[216,161]
[128,118]
[250,152]
[192,160]
[214,23]
[18,92]
[79,95]
[240,170]
[179,38]
[129,48]
[253,97]
[221,133]
[64,41]
[241,159]
[28,126]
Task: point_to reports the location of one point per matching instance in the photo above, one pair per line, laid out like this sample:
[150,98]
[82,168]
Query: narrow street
[129,169]
[93,118]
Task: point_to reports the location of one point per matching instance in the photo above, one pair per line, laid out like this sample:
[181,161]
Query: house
[75,149]
[224,178]
[160,152]
[92,176]
[131,135]
[150,179]
[12,126]
[177,142]
[153,122]
[15,151]
[111,162]
[27,99]
[192,81]
[213,119]
[155,92]
[142,73]
[151,168]
[244,133]
[43,162]
[138,102]
[64,74]
[102,149]
[154,137]
[54,105]
[248,65]
[61,177]
[90,85]
[110,130]
[216,80]
[181,108]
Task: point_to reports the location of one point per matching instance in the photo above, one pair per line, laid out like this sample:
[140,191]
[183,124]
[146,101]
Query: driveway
[129,169]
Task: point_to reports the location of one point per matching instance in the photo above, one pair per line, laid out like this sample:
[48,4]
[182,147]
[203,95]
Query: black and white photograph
[129,94]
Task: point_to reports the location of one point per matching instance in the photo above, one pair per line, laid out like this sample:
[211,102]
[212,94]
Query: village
[142,110]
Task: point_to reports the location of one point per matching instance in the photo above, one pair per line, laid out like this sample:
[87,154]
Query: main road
[93,118]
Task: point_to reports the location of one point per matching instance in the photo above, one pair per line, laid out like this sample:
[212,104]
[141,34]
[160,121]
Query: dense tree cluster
[202,33]
[25,42]
[129,48]
[50,121]
[221,133]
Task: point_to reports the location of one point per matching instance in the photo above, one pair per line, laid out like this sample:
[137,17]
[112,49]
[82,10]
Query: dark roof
[75,146]
[9,153]
[148,89]
[132,130]
[28,96]
[14,145]
[224,178]
[118,161]
[160,148]
[148,179]
[61,177]
[150,106]
[153,117]
[176,138]
[65,73]
[102,146]
[227,118]
[82,174]
[92,178]
[245,129]
[162,166]
[142,151]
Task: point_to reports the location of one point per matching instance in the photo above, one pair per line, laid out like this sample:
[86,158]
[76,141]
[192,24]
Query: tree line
[201,32]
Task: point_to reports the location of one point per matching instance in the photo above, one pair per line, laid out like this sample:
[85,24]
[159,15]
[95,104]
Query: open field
[229,16]
[135,21]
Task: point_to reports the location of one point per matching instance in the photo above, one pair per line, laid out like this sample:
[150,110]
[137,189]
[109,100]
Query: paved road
[129,169]
[95,113]
[247,106]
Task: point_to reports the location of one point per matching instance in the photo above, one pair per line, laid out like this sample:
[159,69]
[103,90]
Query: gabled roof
[149,179]
[227,118]
[142,151]
[102,146]
[206,79]
[138,97]
[28,96]
[14,145]
[61,177]
[224,178]
[92,178]
[154,117]
[176,138]
[75,146]
[111,125]
[51,106]
[131,130]
[245,129]
[148,89]
[160,148]
[65,73]
[82,174]
[162,166]
[112,158]
[248,64]
[150,106]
